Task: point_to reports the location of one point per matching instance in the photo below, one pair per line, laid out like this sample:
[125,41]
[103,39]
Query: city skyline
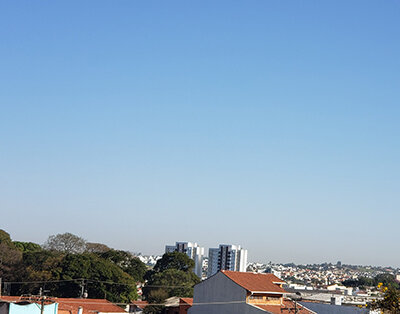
[207,249]
[271,124]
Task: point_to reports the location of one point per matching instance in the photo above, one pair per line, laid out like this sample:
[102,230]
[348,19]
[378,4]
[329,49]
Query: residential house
[137,306]
[25,305]
[242,293]
[87,306]
[30,305]
[176,305]
[324,308]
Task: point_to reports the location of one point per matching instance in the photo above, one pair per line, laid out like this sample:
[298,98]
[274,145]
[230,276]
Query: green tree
[25,247]
[156,297]
[390,301]
[37,266]
[104,279]
[127,262]
[172,276]
[174,260]
[175,282]
[10,256]
[386,280]
[5,238]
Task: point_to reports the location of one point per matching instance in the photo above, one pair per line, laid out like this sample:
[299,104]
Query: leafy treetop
[174,260]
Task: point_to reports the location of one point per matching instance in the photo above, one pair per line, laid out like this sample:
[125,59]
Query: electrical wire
[83,302]
[87,302]
[40,281]
[93,281]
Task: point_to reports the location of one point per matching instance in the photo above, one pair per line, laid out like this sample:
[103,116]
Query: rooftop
[287,306]
[255,282]
[71,305]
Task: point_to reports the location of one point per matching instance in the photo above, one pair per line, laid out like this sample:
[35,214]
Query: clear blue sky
[270,124]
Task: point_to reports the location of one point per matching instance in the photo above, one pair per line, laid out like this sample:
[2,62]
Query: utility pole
[82,288]
[42,299]
[42,304]
[0,286]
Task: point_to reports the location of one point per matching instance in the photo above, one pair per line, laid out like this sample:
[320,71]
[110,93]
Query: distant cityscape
[65,273]
[324,282]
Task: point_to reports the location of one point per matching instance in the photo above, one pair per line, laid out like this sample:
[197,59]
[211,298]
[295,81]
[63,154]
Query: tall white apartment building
[226,257]
[192,250]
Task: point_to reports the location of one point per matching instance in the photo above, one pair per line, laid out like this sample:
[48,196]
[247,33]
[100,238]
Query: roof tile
[256,282]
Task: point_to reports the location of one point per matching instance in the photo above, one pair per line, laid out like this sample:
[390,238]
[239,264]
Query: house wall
[4,308]
[220,288]
[32,309]
[183,309]
[266,299]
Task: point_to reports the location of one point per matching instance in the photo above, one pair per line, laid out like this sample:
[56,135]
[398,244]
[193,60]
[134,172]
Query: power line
[79,280]
[87,302]
[79,301]
[40,281]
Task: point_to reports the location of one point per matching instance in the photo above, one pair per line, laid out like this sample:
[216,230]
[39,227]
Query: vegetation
[390,301]
[384,279]
[172,276]
[67,266]
[127,262]
[25,247]
[65,243]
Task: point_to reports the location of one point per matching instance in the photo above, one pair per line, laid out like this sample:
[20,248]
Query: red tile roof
[72,305]
[10,298]
[188,301]
[287,304]
[24,299]
[140,304]
[256,282]
[88,305]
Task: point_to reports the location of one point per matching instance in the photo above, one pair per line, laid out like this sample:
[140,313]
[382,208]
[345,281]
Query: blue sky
[270,124]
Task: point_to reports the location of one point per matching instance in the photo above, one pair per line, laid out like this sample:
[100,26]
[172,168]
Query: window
[256,297]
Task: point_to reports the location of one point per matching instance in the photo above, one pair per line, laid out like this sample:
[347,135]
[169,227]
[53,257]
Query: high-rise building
[226,257]
[192,250]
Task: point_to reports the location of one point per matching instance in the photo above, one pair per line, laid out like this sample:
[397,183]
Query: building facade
[226,257]
[193,250]
[243,293]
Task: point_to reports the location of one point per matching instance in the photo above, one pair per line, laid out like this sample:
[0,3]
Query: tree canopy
[127,262]
[65,243]
[10,256]
[385,279]
[171,276]
[27,246]
[389,301]
[66,266]
[92,247]
[174,260]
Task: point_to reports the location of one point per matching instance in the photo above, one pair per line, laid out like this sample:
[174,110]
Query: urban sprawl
[68,275]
